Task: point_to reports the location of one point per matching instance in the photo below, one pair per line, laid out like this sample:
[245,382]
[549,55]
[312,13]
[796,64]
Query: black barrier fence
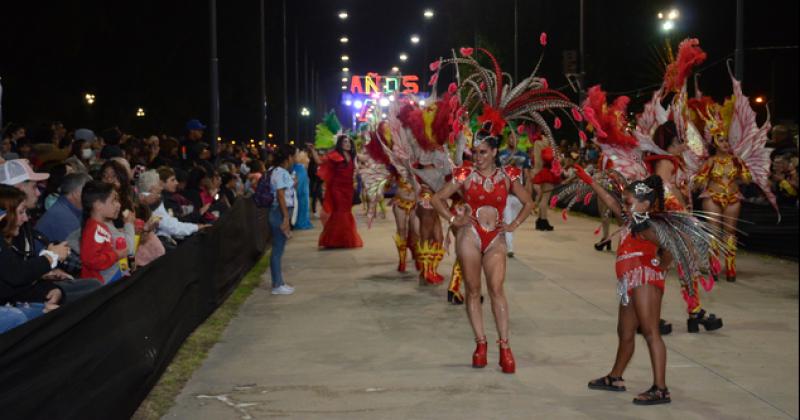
[759,224]
[99,357]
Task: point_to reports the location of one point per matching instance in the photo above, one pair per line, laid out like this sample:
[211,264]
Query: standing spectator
[64,216]
[101,251]
[280,213]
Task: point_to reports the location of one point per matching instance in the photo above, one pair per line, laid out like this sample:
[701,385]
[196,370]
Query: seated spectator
[51,193]
[781,141]
[150,188]
[200,192]
[64,216]
[104,252]
[29,242]
[21,282]
[117,173]
[111,139]
[176,204]
[229,188]
[148,246]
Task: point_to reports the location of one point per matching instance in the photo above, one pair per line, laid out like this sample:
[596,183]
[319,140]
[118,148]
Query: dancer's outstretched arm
[601,192]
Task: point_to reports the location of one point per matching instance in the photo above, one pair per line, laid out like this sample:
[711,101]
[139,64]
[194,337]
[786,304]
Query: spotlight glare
[428,13]
[667,26]
[343,15]
[415,39]
[403,57]
[344,40]
[345,58]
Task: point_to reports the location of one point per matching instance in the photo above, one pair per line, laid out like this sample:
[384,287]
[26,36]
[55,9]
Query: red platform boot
[479,357]
[506,357]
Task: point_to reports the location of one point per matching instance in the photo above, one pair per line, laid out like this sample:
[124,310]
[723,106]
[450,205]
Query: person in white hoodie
[149,186]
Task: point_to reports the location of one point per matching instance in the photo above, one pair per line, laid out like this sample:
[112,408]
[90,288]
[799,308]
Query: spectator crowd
[80,210]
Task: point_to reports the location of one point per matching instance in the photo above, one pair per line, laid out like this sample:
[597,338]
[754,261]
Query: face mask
[86,154]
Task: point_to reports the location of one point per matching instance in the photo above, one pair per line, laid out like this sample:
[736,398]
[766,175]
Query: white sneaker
[283,290]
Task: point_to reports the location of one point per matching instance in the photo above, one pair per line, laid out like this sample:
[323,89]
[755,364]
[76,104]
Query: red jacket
[98,258]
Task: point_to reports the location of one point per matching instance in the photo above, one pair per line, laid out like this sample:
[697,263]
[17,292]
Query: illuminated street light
[667,26]
[305,112]
[660,15]
[673,14]
[403,57]
[270,135]
[395,69]
[759,99]
[415,39]
[428,13]
[343,15]
[140,112]
[345,69]
[345,58]
[344,79]
[344,87]
[344,40]
[89,98]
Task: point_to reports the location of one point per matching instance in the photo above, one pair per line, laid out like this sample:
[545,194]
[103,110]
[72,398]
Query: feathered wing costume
[689,238]
[326,131]
[375,168]
[735,121]
[491,94]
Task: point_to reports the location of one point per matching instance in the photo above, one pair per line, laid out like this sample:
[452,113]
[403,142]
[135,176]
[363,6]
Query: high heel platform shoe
[606,243]
[507,363]
[479,356]
[710,322]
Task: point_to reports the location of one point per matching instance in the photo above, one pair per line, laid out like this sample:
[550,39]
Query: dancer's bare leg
[401,221]
[494,267]
[469,255]
[544,202]
[627,323]
[647,303]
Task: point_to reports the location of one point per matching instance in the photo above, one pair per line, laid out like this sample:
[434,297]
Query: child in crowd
[101,252]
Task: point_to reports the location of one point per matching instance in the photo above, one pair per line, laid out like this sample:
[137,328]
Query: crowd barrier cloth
[99,357]
[759,224]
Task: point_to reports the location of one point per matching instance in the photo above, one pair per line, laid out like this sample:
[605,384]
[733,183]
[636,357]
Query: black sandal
[606,383]
[653,396]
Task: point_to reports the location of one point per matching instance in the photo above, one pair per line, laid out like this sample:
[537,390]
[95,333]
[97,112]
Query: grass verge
[195,349]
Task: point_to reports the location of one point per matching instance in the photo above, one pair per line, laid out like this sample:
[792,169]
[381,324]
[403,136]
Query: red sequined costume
[481,193]
[637,264]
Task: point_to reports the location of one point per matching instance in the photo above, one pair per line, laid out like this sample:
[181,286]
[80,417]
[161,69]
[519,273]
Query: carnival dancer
[374,169]
[422,132]
[480,242]
[652,238]
[337,169]
[670,150]
[303,210]
[546,176]
[737,154]
[485,186]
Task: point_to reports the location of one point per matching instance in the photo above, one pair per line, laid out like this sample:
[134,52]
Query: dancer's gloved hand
[582,174]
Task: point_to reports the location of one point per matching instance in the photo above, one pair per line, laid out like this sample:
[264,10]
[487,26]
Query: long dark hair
[125,188]
[93,192]
[284,152]
[10,199]
[666,135]
[656,196]
[340,148]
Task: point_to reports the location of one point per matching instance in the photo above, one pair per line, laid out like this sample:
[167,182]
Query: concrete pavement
[360,341]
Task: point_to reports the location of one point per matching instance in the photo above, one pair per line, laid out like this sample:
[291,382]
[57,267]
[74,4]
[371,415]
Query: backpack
[264,196]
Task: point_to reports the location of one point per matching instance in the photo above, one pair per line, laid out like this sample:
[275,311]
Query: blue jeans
[14,316]
[278,245]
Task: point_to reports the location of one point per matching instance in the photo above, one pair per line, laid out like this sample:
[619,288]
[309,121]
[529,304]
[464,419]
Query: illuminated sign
[375,83]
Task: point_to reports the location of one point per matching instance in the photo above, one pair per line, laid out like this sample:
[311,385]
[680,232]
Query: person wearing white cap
[30,243]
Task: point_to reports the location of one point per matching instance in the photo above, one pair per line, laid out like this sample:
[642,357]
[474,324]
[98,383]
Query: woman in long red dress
[337,170]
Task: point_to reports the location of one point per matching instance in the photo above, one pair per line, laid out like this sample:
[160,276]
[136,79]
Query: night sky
[154,54]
